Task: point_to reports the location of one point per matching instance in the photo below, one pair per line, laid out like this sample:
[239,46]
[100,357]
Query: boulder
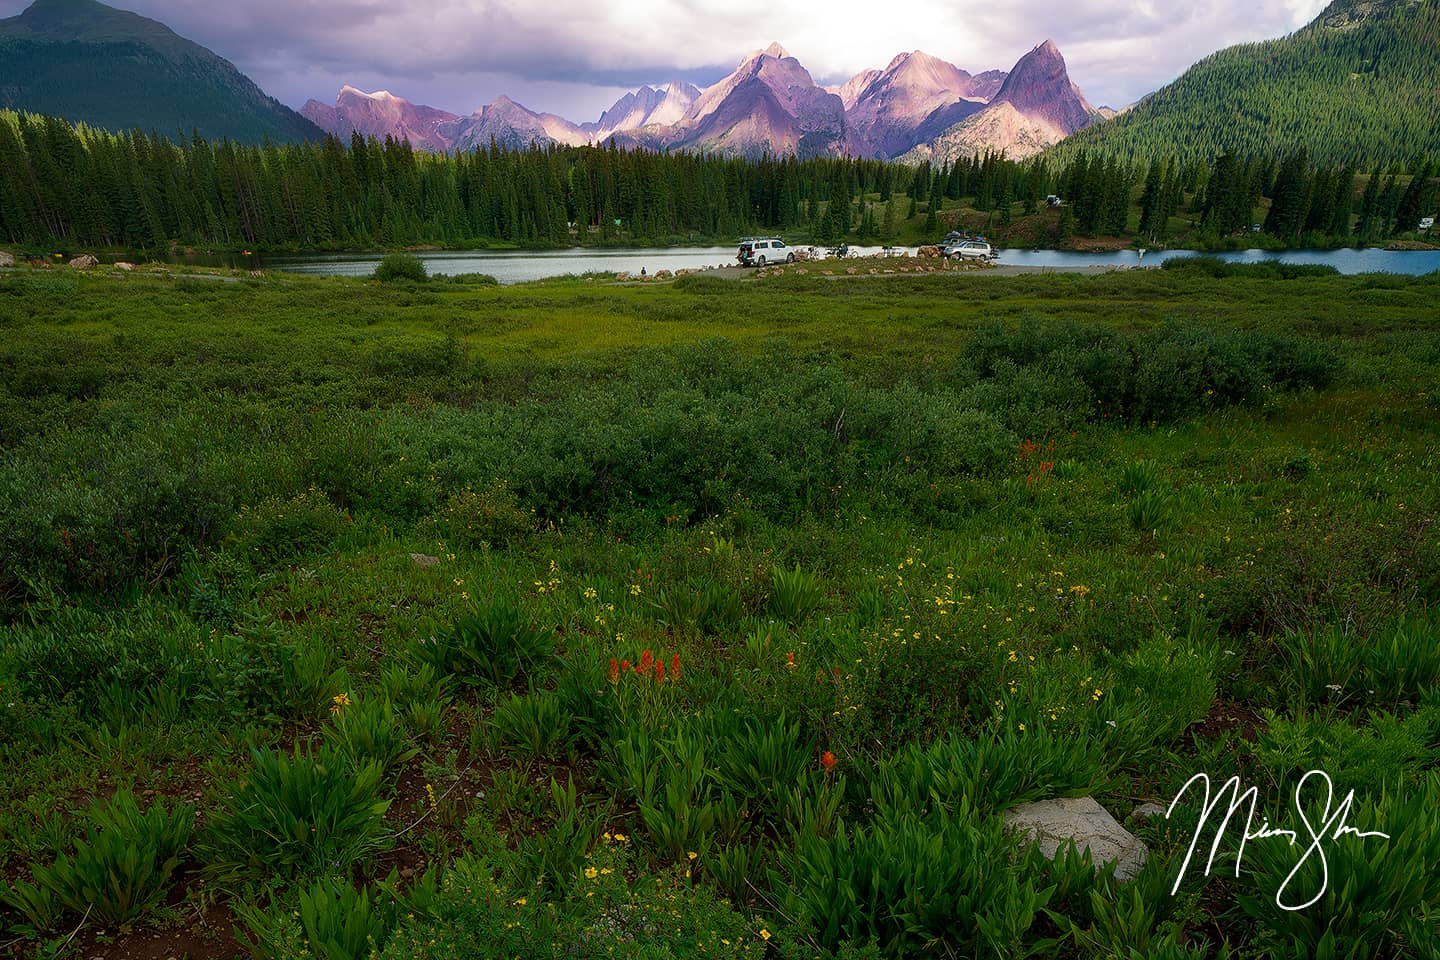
[127,267]
[6,259]
[1147,810]
[622,275]
[84,262]
[663,274]
[424,562]
[1052,822]
[929,252]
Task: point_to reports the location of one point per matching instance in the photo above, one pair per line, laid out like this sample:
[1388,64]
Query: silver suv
[969,250]
[758,251]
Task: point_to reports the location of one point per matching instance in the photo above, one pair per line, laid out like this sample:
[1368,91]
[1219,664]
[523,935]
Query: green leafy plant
[1380,896]
[534,725]
[795,594]
[913,884]
[367,730]
[311,812]
[761,760]
[123,866]
[342,922]
[494,645]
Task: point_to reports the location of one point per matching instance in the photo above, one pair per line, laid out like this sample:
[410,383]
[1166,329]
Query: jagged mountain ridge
[771,104]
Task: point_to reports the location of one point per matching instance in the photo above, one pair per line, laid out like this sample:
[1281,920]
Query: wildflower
[790,659]
[340,702]
[605,871]
[591,873]
[520,902]
[614,670]
[620,838]
[659,671]
[625,666]
[647,660]
[634,589]
[675,667]
[1022,728]
[764,934]
[430,793]
[827,760]
[692,854]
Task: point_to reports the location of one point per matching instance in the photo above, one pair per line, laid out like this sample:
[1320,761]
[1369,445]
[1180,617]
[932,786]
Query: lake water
[515,266]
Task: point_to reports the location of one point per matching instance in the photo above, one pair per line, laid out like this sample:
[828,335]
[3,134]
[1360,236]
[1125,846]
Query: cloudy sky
[575,57]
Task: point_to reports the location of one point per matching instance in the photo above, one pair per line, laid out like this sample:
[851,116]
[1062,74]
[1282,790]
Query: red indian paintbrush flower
[675,667]
[625,666]
[614,670]
[647,660]
[827,760]
[659,671]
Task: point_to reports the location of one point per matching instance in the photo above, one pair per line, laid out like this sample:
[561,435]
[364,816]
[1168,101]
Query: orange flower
[625,665]
[614,670]
[790,659]
[659,671]
[646,660]
[827,760]
[675,667]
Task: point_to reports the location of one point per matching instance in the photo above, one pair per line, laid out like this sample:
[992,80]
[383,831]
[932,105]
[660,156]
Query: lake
[518,266]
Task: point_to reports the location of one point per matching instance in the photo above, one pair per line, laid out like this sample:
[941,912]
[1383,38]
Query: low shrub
[401,266]
[286,528]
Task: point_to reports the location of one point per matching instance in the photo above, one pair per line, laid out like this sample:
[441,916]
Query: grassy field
[343,619]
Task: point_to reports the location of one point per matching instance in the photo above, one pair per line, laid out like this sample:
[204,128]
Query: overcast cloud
[574,57]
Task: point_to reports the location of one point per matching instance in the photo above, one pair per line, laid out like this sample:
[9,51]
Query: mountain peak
[776,51]
[1040,88]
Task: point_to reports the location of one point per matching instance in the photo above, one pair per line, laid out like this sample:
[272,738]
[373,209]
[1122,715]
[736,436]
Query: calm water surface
[513,266]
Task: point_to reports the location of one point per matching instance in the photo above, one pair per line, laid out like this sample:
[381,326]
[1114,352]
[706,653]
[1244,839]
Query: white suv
[757,252]
[970,250]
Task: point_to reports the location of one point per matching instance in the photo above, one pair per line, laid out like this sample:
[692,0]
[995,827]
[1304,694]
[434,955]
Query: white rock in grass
[6,259]
[425,562]
[1051,822]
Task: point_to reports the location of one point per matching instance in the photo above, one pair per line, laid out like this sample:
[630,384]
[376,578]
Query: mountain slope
[1360,84]
[90,63]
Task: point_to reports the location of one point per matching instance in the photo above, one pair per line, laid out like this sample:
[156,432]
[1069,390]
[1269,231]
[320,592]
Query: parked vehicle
[758,251]
[969,250]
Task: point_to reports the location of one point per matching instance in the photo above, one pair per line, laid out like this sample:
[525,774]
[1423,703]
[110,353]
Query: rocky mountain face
[919,106]
[1037,106]
[91,63]
[382,115]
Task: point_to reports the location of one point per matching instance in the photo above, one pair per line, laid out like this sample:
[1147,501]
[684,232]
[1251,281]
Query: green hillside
[90,63]
[1361,84]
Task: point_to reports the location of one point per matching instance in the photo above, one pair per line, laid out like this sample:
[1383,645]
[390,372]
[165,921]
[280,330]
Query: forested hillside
[1359,85]
[93,64]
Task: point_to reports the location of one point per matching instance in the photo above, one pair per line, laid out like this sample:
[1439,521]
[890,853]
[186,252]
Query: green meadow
[718,618]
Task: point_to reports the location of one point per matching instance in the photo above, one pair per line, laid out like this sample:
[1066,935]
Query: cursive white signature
[1332,826]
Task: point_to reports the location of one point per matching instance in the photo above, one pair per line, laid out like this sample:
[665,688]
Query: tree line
[77,186]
